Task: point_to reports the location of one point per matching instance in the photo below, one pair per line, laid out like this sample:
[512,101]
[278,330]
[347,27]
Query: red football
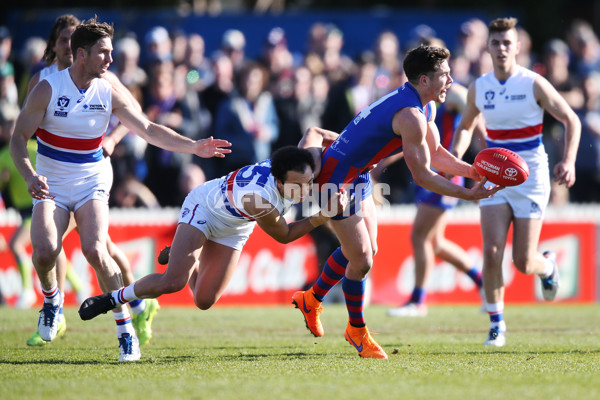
[501,166]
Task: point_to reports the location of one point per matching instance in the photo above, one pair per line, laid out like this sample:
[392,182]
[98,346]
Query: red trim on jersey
[385,151]
[519,133]
[69,143]
[230,182]
[447,129]
[327,170]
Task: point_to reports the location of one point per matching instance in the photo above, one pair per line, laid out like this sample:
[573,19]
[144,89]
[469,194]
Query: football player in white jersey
[58,56]
[217,219]
[72,174]
[512,100]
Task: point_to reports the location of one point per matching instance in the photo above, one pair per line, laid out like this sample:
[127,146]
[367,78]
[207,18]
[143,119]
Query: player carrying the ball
[400,122]
[512,100]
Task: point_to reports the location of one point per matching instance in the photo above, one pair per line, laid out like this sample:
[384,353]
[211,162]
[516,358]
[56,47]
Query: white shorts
[530,199]
[200,211]
[70,194]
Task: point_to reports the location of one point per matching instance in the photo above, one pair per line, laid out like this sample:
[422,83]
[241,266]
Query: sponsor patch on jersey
[94,107]
[518,97]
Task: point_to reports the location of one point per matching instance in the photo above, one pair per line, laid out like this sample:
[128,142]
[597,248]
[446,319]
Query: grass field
[552,352]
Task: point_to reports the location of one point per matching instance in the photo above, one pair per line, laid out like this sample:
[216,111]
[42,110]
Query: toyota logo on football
[510,172]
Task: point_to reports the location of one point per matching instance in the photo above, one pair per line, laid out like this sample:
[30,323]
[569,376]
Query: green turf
[552,352]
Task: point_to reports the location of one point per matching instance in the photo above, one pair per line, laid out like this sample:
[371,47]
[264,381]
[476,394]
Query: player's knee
[93,254]
[204,302]
[44,255]
[492,252]
[524,264]
[172,284]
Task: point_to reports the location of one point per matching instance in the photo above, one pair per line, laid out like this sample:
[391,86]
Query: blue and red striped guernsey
[68,149]
[368,138]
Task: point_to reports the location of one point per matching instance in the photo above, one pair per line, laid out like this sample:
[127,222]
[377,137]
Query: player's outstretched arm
[552,102]
[273,223]
[163,137]
[411,125]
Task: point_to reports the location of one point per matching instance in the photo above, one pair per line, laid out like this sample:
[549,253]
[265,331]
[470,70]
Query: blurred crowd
[264,103]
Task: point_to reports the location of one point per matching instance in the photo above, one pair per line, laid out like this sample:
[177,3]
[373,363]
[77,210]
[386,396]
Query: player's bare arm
[313,140]
[120,131]
[27,123]
[552,102]
[443,160]
[163,137]
[464,130]
[412,126]
[275,225]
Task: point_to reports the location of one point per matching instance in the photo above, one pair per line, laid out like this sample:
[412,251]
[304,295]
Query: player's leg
[214,271]
[495,221]
[356,244]
[454,254]
[92,225]
[183,258]
[17,245]
[144,310]
[51,222]
[425,225]
[527,258]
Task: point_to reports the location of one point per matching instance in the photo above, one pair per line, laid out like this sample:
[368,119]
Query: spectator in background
[297,109]
[30,61]
[568,85]
[233,44]
[587,186]
[585,48]
[248,120]
[9,110]
[162,106]
[524,58]
[337,66]
[126,62]
[179,45]
[10,94]
[200,71]
[389,63]
[278,60]
[346,100]
[472,41]
[158,45]
[222,87]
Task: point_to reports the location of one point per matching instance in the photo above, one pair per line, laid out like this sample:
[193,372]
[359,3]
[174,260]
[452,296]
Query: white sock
[137,306]
[52,296]
[124,295]
[548,268]
[123,320]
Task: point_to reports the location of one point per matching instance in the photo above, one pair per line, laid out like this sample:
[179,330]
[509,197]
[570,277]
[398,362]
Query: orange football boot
[364,343]
[310,308]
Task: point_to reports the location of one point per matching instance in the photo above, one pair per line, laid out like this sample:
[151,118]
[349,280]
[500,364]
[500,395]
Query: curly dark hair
[290,158]
[423,60]
[62,22]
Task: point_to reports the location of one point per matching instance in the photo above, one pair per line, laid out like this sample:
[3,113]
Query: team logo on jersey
[61,105]
[489,100]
